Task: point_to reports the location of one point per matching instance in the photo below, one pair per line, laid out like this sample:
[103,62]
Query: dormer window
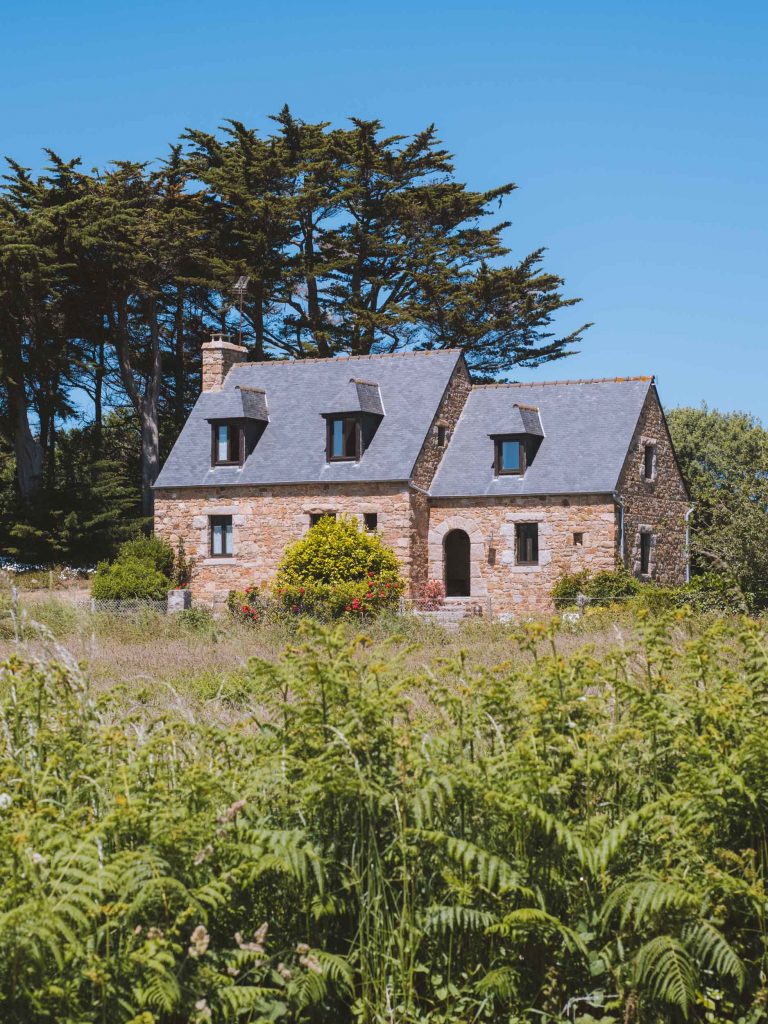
[510,456]
[228,446]
[343,441]
[352,417]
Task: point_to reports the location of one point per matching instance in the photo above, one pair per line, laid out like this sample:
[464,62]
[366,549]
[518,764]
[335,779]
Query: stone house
[496,489]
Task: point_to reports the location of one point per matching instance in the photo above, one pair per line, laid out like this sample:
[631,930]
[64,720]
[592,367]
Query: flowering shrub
[432,595]
[250,605]
[337,570]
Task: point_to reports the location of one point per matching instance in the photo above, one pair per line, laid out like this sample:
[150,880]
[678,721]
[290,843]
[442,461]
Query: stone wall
[656,506]
[447,415]
[265,520]
[521,590]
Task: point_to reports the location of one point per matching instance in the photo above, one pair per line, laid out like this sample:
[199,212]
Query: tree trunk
[98,391]
[179,377]
[28,451]
[146,403]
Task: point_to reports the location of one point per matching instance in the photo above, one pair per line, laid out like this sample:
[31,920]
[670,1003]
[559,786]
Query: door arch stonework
[437,535]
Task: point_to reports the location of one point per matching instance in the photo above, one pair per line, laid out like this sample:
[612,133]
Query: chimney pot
[219,356]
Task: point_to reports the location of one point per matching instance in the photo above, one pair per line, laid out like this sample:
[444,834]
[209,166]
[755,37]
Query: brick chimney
[219,356]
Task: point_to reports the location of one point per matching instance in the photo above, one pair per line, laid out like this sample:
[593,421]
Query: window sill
[220,560]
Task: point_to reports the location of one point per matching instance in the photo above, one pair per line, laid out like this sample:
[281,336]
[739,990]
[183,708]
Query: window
[578,540]
[371,521]
[315,517]
[221,537]
[527,537]
[227,445]
[343,442]
[510,456]
[649,461]
[442,435]
[645,554]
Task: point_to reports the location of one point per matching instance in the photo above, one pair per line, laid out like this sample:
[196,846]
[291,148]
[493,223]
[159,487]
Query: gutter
[688,544]
[620,502]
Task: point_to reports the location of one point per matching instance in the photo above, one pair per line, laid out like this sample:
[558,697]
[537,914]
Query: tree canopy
[352,241]
[724,458]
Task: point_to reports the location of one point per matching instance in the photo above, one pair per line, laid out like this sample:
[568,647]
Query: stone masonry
[264,521]
[575,532]
[656,506]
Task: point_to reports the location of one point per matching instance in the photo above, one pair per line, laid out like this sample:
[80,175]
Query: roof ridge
[552,383]
[340,359]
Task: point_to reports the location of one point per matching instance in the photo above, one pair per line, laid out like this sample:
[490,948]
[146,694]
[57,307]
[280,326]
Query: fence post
[581,603]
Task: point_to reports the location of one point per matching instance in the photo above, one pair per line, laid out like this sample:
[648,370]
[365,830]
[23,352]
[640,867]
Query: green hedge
[144,568]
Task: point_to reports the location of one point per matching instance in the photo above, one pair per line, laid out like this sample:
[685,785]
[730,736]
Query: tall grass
[571,838]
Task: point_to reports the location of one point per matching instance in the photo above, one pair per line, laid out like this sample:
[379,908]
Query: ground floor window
[371,521]
[315,517]
[221,537]
[645,554]
[527,543]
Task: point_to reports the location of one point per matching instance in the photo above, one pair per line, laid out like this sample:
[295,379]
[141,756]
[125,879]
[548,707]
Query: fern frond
[663,970]
[710,947]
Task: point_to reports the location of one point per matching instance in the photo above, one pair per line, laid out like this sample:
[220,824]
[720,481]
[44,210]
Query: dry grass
[197,653]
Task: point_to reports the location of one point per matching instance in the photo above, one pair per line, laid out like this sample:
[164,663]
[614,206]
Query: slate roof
[587,426]
[297,393]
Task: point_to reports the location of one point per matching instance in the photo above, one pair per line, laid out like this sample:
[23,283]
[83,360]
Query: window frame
[649,451]
[646,546]
[221,520]
[578,538]
[358,429]
[315,517]
[498,441]
[232,425]
[519,528]
[367,517]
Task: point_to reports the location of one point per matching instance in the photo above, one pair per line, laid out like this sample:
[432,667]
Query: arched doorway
[456,547]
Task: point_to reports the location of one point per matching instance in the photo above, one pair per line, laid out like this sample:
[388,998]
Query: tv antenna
[241,287]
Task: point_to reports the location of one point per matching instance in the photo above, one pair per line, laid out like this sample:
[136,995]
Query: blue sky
[635,131]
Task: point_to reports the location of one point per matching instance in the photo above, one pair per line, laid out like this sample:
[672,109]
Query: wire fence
[130,606]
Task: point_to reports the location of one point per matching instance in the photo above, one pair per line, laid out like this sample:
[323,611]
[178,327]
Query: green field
[540,823]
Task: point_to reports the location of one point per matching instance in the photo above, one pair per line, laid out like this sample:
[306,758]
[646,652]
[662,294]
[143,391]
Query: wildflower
[203,1010]
[311,963]
[154,933]
[302,948]
[37,858]
[231,812]
[200,940]
[5,801]
[202,855]
[284,973]
[137,930]
[232,972]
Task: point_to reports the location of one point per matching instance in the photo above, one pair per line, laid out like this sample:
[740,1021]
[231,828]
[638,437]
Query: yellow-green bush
[338,569]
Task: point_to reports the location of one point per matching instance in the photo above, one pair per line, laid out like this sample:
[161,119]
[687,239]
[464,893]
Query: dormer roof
[243,403]
[524,420]
[356,396]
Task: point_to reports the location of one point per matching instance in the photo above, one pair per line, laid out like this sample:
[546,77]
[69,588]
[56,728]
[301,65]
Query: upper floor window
[343,439]
[510,456]
[649,461]
[441,434]
[227,444]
